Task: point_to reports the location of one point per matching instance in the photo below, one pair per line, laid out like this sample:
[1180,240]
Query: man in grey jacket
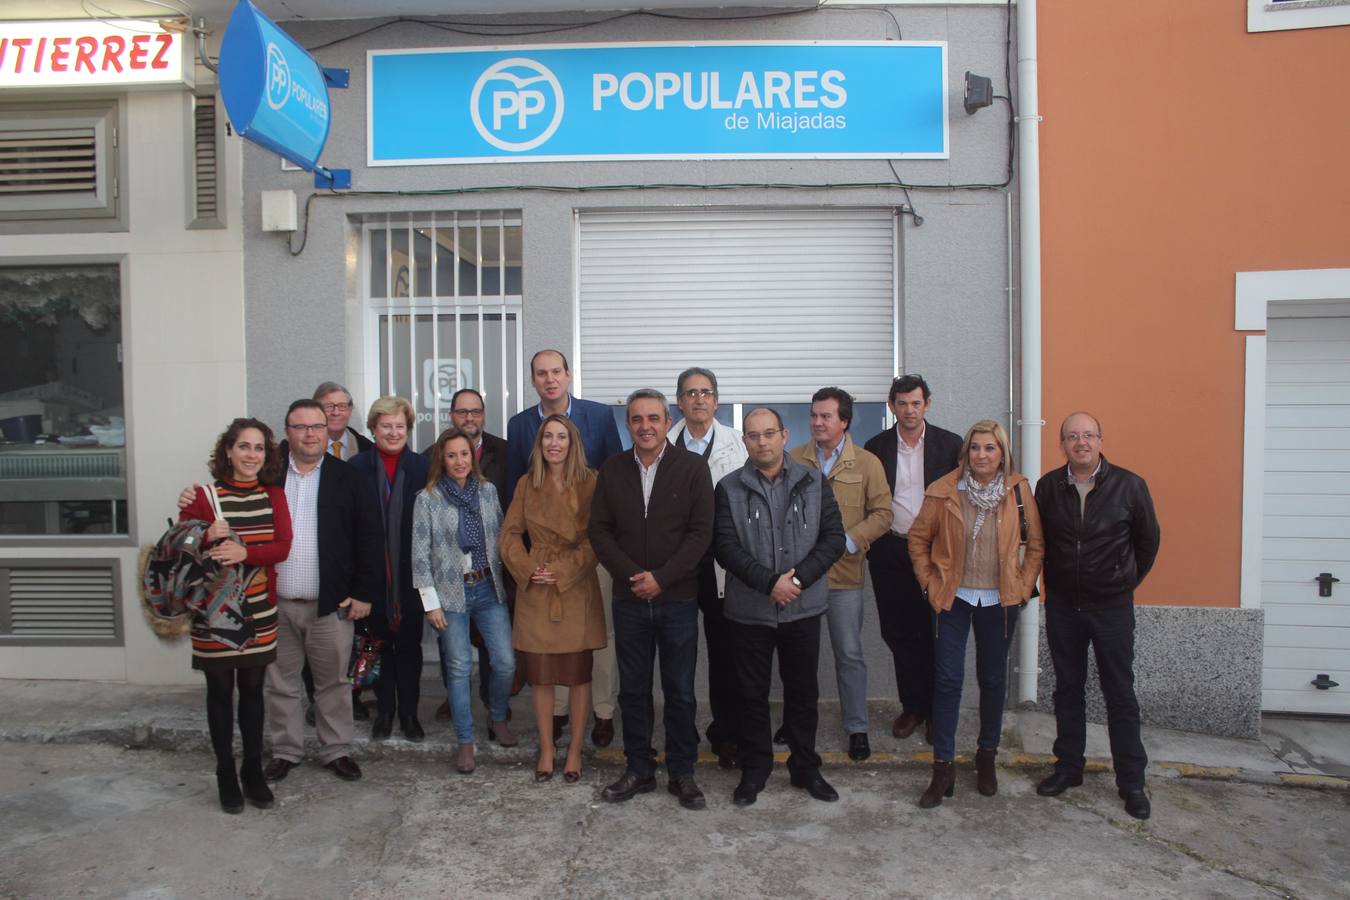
[778,531]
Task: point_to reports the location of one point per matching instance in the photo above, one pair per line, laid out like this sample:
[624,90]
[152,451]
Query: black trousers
[399,687]
[798,646]
[1068,632]
[722,693]
[906,622]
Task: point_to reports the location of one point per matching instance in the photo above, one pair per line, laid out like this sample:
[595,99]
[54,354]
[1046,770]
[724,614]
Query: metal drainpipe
[1031,423]
[200,33]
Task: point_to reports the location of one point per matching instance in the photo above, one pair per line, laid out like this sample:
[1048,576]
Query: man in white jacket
[721,446]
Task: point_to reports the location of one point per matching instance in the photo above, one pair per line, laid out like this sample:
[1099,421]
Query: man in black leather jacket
[1101,538]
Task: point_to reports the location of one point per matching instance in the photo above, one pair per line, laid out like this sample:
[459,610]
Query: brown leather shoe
[603,732]
[345,768]
[278,769]
[905,724]
[443,711]
[986,778]
[502,734]
[464,758]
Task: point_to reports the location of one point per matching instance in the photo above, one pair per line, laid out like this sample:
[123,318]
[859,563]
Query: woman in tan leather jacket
[977,551]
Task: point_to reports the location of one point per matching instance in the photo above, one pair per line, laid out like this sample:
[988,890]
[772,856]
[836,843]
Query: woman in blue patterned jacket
[457,569]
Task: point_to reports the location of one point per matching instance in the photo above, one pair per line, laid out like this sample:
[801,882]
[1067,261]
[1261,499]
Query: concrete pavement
[95,820]
[107,790]
[1302,752]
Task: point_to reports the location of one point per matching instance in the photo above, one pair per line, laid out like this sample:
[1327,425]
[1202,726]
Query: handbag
[363,670]
[181,585]
[1022,542]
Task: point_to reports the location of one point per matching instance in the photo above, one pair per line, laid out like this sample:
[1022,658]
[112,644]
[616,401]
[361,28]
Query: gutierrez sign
[812,100]
[78,52]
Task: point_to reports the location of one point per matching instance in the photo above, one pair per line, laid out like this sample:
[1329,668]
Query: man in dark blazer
[468,414]
[344,442]
[333,577]
[914,453]
[651,527]
[552,379]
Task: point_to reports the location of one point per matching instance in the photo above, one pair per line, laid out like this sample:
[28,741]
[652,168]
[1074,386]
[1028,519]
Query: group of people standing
[500,542]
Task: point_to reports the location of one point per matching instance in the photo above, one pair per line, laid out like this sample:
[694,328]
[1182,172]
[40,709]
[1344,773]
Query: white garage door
[1307,515]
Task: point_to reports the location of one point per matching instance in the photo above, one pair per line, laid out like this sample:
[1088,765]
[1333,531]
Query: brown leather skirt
[555,668]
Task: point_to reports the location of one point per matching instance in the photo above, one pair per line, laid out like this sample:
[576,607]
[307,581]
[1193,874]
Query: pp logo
[278,77]
[511,104]
[441,378]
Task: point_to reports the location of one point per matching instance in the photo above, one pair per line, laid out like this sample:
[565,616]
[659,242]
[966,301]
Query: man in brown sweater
[651,526]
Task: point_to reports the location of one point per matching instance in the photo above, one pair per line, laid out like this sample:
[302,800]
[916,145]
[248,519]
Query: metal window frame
[119,539]
[112,563]
[379,359]
[111,213]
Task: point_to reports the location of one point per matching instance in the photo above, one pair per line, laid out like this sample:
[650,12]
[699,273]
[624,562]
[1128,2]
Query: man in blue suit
[552,377]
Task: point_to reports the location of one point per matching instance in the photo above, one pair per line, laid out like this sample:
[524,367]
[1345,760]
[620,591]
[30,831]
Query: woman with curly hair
[253,530]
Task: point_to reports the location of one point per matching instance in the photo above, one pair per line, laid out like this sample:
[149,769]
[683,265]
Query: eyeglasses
[312,429]
[1074,437]
[467,412]
[699,393]
[336,407]
[755,437]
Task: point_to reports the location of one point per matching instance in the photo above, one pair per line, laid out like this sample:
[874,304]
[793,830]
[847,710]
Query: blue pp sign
[274,91]
[813,100]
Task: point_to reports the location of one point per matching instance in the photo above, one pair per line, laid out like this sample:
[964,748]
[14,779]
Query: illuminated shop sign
[95,52]
[274,91]
[813,100]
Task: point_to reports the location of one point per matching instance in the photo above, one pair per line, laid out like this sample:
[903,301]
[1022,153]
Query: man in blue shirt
[600,435]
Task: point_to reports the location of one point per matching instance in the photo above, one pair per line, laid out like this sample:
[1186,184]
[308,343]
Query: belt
[896,534]
[477,575]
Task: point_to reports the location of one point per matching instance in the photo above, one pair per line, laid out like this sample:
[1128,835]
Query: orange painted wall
[1177,150]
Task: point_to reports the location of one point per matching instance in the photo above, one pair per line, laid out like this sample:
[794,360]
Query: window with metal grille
[207,165]
[63,602]
[444,294]
[58,161]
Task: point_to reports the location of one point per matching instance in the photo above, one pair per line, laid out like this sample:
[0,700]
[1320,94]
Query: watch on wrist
[797,582]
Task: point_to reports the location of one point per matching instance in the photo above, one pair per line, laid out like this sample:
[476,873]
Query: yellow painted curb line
[1015,759]
[1323,782]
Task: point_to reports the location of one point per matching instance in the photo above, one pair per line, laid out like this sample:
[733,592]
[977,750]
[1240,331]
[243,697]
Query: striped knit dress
[248,509]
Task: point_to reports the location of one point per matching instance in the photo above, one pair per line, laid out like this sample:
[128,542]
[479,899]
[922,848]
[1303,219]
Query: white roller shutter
[777,302]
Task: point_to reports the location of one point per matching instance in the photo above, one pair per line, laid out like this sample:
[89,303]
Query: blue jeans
[845,618]
[494,623]
[642,632]
[994,627]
